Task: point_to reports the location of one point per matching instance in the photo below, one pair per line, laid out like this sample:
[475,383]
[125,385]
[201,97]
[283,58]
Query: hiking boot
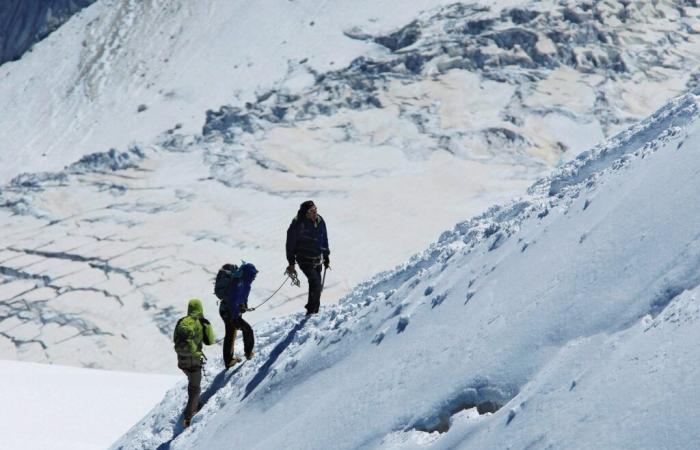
[235,360]
[249,355]
[186,423]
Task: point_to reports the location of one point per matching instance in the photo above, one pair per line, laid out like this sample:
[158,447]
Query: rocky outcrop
[23,23]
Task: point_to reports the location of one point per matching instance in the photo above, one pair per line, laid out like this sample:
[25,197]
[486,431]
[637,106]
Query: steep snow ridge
[25,22]
[555,191]
[545,308]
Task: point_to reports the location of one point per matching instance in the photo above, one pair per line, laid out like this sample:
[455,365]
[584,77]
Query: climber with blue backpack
[232,287]
[190,333]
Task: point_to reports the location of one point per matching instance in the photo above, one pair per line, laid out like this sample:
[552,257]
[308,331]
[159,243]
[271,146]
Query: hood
[194,308]
[248,272]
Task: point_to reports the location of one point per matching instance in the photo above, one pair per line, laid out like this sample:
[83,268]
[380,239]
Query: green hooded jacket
[192,331]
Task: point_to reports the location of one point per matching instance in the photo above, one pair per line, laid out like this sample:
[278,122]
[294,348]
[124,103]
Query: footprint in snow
[402,324]
[438,299]
[379,337]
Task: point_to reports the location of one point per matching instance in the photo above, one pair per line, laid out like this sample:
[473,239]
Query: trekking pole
[273,294]
[323,281]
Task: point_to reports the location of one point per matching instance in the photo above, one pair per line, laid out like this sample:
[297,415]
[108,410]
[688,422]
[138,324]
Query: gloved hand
[291,272]
[326,262]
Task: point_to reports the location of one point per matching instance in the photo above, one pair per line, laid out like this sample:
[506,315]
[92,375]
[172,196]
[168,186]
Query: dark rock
[475,27]
[111,160]
[279,112]
[414,63]
[225,120]
[508,39]
[520,16]
[402,38]
[572,16]
[26,22]
[373,101]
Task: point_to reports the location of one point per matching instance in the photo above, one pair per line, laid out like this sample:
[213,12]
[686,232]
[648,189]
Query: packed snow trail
[545,302]
[273,356]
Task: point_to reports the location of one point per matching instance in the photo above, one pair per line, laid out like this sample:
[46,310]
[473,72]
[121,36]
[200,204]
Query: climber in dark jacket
[307,244]
[232,314]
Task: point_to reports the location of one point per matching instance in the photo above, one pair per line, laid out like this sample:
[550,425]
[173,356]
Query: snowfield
[566,319]
[71,408]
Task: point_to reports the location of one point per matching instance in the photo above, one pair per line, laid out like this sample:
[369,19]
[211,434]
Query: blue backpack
[228,275]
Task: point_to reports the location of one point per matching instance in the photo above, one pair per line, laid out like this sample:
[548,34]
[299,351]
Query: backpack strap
[204,323]
[175,330]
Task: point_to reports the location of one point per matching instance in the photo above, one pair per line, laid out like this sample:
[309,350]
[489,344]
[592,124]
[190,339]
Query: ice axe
[323,280]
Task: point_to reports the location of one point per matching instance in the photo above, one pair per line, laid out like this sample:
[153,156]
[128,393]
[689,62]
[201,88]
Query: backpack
[188,336]
[225,278]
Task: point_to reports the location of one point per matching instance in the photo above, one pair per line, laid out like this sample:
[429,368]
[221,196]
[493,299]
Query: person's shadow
[217,383]
[222,378]
[274,354]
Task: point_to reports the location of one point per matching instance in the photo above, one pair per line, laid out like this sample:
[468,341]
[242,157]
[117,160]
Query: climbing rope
[294,279]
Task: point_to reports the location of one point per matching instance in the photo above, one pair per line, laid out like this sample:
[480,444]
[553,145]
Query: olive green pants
[192,366]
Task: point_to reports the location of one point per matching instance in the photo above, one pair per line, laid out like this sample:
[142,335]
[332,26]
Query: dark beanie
[304,208]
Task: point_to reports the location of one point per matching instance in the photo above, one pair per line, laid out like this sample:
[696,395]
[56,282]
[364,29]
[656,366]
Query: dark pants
[313,276]
[192,367]
[248,337]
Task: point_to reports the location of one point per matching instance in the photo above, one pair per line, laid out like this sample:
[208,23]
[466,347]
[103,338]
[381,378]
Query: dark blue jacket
[307,239]
[238,293]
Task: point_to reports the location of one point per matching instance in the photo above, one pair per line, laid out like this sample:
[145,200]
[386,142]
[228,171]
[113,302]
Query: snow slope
[80,90]
[68,408]
[566,319]
[399,123]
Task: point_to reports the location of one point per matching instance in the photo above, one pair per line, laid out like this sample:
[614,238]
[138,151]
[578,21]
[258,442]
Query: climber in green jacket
[190,333]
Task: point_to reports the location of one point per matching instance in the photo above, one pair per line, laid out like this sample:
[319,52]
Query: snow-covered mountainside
[127,70]
[25,22]
[161,139]
[566,319]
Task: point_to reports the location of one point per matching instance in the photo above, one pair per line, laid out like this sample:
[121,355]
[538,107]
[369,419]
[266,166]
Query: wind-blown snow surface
[568,319]
[70,408]
[399,123]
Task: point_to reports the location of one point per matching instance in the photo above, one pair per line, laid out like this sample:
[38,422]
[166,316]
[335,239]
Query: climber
[233,307]
[307,244]
[190,333]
